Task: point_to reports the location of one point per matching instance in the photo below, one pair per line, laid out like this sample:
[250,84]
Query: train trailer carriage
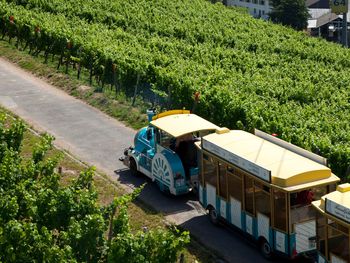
[165,150]
[264,186]
[333,226]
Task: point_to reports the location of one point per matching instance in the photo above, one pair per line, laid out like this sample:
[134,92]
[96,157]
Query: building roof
[336,204]
[180,124]
[320,17]
[317,3]
[287,169]
[318,12]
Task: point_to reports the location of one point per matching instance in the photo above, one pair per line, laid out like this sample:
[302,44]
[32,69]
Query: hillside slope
[251,73]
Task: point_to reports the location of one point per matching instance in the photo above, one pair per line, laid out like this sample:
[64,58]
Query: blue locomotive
[165,150]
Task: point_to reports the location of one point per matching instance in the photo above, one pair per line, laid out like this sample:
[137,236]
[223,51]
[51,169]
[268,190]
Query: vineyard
[250,73]
[44,218]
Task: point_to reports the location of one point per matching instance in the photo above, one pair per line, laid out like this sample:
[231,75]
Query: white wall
[257,8]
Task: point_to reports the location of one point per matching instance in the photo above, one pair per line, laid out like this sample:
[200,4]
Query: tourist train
[280,195]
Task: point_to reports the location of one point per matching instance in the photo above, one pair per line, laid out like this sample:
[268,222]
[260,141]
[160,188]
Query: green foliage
[250,73]
[43,221]
[22,241]
[121,223]
[154,246]
[41,149]
[11,137]
[292,13]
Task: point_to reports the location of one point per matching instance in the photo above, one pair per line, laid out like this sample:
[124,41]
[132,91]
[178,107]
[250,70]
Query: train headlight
[179,180]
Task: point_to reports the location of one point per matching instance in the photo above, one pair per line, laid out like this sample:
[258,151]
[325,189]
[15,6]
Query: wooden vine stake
[69,47]
[135,90]
[114,81]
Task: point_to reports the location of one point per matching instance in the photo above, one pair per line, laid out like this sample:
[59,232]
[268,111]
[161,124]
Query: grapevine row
[250,73]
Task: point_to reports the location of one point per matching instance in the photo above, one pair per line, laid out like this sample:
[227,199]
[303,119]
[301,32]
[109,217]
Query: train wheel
[133,167]
[213,215]
[163,188]
[265,249]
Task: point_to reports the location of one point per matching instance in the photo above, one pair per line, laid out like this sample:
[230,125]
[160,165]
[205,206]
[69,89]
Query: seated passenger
[305,197]
[187,152]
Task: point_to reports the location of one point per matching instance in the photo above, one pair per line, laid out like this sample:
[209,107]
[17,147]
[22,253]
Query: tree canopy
[292,13]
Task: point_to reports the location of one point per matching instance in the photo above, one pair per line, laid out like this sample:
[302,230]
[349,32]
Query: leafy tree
[43,221]
[292,13]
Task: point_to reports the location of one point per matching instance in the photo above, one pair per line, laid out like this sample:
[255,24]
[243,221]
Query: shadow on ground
[166,204]
[233,245]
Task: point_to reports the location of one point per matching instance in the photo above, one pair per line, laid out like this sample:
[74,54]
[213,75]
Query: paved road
[99,140]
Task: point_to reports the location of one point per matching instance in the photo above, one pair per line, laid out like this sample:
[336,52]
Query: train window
[235,186]
[210,170]
[166,139]
[249,194]
[280,210]
[157,132]
[222,180]
[339,227]
[318,192]
[262,199]
[149,134]
[300,204]
[338,244]
[305,197]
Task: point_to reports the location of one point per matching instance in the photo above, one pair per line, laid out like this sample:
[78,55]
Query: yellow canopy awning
[287,169]
[179,124]
[336,204]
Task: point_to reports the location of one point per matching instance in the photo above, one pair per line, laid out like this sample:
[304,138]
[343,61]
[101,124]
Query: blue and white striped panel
[281,242]
[263,226]
[200,189]
[249,224]
[303,231]
[321,259]
[223,208]
[211,195]
[236,213]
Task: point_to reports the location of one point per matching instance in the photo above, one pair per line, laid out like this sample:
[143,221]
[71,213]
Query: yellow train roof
[177,123]
[336,204]
[271,162]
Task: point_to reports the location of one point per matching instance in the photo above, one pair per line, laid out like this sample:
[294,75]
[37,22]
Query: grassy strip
[115,105]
